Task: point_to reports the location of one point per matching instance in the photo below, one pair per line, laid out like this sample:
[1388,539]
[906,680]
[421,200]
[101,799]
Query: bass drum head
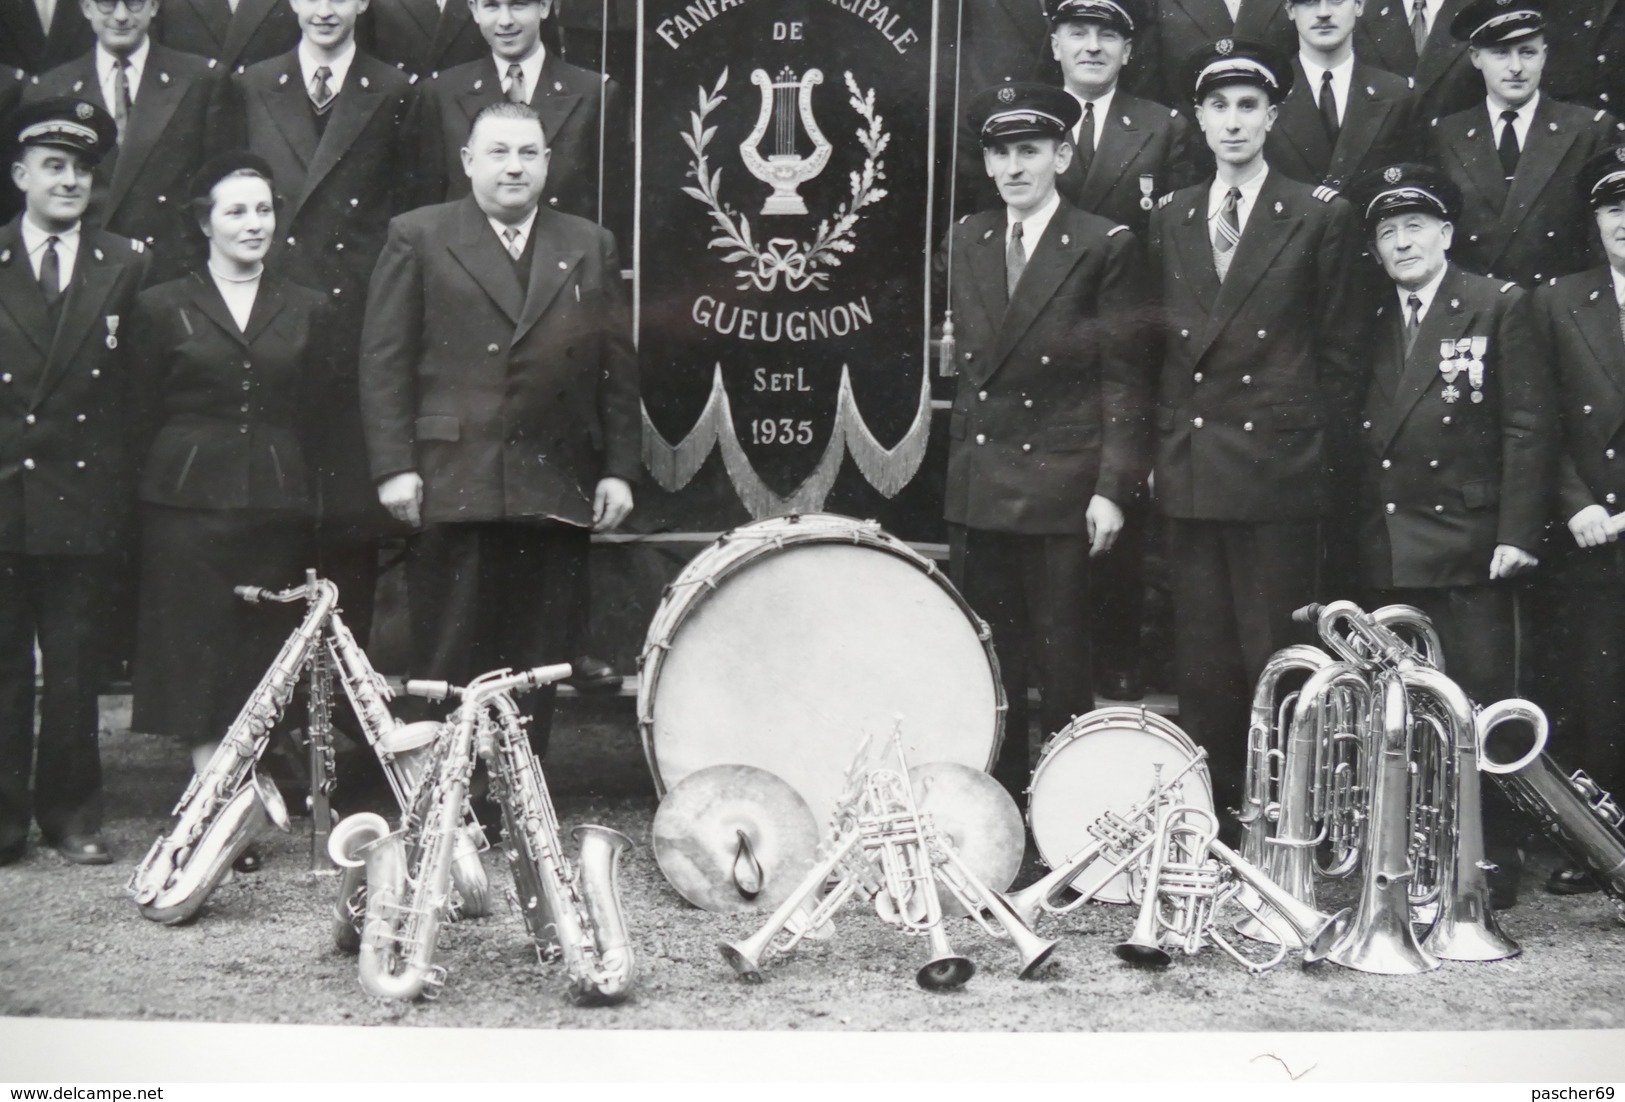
[1104,761]
[787,643]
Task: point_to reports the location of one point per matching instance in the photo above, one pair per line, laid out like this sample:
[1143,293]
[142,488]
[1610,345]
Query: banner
[782,296]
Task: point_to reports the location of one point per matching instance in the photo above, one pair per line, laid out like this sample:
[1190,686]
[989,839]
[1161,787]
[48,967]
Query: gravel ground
[73,946]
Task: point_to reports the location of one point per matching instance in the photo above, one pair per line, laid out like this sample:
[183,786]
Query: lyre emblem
[783,168]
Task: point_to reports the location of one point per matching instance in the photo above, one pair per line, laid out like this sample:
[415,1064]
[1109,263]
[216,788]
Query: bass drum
[1105,761]
[789,641]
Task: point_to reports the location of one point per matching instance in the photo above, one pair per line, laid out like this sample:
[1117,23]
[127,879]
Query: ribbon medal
[1148,184]
[1475,366]
[112,330]
[1448,367]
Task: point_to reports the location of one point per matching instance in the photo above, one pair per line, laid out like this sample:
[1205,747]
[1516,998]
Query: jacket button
[335,290]
[1247,426]
[1447,418]
[1043,359]
[967,355]
[1185,333]
[247,385]
[1262,334]
[80,418]
[1438,508]
[95,373]
[242,428]
[1386,463]
[492,349]
[1365,424]
[1472,237]
[1609,498]
[1434,464]
[1197,377]
[245,407]
[290,242]
[163,199]
[1028,403]
[80,464]
[339,247]
[1389,507]
[1246,380]
[355,202]
[28,464]
[981,395]
[981,438]
[1584,409]
[6,378]
[553,200]
[1196,422]
[1026,447]
[247,364]
[30,419]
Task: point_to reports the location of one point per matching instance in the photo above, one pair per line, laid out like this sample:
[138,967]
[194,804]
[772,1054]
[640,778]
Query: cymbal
[734,839]
[978,816]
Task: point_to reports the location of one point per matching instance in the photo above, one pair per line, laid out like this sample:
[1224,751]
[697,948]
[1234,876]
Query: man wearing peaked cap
[1580,319]
[1516,153]
[1047,435]
[66,290]
[1457,445]
[1256,376]
[1342,117]
[1126,152]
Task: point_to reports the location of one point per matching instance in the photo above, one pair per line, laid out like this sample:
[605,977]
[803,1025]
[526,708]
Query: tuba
[228,805]
[1267,741]
[571,912]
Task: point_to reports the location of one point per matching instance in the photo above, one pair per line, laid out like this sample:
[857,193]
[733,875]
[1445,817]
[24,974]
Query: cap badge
[1278,207]
[84,111]
[1223,46]
[1007,95]
[1392,174]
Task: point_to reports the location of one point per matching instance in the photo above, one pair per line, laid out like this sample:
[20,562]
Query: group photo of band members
[1257,303]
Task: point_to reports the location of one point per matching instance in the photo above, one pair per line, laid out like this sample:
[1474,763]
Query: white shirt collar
[1103,108]
[1032,226]
[1520,125]
[1342,79]
[524,227]
[1425,293]
[67,247]
[1619,284]
[531,67]
[1249,196]
[105,62]
[309,63]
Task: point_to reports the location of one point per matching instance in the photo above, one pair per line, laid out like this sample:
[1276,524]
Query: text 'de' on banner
[784,214]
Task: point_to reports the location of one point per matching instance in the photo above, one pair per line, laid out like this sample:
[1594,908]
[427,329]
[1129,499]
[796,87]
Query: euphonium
[1272,714]
[228,805]
[575,912]
[1380,938]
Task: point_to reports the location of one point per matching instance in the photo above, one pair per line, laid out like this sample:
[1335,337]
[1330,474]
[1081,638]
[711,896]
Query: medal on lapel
[112,330]
[1148,184]
[1448,367]
[1450,393]
[1475,366]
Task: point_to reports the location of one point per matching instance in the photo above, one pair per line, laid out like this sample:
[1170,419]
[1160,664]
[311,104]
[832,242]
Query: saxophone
[228,804]
[573,913]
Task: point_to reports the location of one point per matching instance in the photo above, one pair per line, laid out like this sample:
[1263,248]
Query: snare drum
[1101,762]
[787,642]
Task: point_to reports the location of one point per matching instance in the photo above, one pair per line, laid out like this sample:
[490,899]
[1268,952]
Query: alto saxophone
[573,913]
[228,804]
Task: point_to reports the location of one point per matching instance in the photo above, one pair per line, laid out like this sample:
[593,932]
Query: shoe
[84,849]
[10,855]
[1571,880]
[593,677]
[1503,880]
[1121,685]
[252,859]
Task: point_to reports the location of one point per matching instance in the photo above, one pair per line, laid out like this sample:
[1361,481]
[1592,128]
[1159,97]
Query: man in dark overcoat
[421,37]
[234,33]
[66,292]
[168,95]
[1256,375]
[1047,439]
[34,40]
[1460,442]
[1579,320]
[1516,153]
[331,120]
[500,393]
[1342,117]
[1180,27]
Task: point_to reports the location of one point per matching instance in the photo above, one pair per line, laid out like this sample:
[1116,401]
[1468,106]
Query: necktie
[1412,323]
[1086,141]
[1622,320]
[516,84]
[1419,26]
[1015,261]
[121,94]
[511,235]
[1226,233]
[1507,147]
[50,272]
[321,92]
[1328,105]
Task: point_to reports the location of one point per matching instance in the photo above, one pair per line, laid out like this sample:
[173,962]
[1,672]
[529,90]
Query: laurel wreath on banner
[796,261]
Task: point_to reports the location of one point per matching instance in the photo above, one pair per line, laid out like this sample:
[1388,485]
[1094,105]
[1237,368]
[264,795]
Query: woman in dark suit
[223,358]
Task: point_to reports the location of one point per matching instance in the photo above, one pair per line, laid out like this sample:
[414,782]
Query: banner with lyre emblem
[782,257]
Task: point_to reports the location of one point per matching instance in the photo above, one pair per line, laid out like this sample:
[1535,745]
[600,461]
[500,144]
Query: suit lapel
[92,282]
[1058,252]
[1544,147]
[982,263]
[487,262]
[289,107]
[22,25]
[1388,357]
[551,97]
[485,90]
[155,103]
[1475,152]
[450,22]
[1597,319]
[1445,318]
[1438,52]
[19,290]
[267,305]
[550,269]
[424,13]
[206,297]
[1196,250]
[352,110]
[1121,140]
[1267,230]
[1363,117]
[244,22]
[1301,124]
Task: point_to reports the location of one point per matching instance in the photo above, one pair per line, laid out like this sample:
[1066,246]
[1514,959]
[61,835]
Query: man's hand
[402,495]
[1510,561]
[610,504]
[1105,521]
[1591,528]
